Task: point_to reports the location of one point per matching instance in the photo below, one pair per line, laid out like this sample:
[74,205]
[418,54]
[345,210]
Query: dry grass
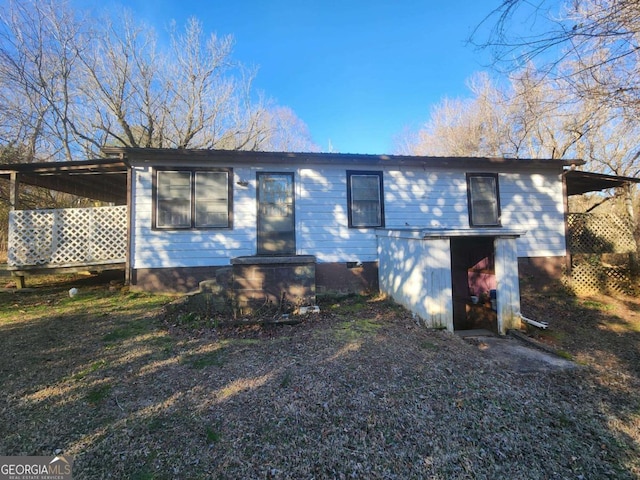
[135,390]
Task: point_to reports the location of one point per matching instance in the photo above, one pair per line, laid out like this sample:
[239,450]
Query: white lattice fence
[600,233]
[588,279]
[67,237]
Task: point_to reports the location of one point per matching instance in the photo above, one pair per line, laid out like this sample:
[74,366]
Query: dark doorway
[276,224]
[473,280]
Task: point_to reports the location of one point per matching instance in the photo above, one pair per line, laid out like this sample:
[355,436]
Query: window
[364,198]
[484,200]
[192,199]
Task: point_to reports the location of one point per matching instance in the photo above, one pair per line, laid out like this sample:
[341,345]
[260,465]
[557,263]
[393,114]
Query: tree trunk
[627,192]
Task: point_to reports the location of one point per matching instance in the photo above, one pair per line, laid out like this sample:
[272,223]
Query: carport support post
[14,188]
[14,194]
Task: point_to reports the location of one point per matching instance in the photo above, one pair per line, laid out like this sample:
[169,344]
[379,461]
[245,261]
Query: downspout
[535,323]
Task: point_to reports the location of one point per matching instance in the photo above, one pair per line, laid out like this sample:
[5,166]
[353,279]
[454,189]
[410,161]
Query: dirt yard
[134,389]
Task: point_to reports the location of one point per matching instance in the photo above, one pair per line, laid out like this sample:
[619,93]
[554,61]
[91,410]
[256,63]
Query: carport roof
[579,182]
[103,179]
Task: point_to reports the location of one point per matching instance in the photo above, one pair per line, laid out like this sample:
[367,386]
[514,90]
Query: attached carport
[103,179]
[70,239]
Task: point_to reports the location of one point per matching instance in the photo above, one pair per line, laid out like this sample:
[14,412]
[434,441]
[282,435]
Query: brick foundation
[273,281]
[300,279]
[347,277]
[172,280]
[539,272]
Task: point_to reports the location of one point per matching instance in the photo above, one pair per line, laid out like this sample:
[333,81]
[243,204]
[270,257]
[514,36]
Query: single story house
[444,236]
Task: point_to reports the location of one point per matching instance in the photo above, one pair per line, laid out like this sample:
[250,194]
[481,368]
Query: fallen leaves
[356,391]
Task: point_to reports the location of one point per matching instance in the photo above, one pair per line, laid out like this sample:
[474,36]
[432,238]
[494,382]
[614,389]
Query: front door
[276,224]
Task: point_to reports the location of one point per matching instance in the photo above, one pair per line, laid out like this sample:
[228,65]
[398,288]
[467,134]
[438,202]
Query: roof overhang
[104,180]
[579,182]
[202,157]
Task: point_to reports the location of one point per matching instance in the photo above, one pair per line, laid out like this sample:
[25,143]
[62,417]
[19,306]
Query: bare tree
[37,57]
[70,85]
[462,126]
[531,117]
[592,48]
[193,96]
[119,104]
[282,130]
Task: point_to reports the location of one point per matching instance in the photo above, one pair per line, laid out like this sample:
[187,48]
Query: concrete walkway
[516,355]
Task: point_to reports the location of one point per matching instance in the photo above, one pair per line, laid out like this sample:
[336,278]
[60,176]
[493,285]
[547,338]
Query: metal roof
[579,182]
[167,156]
[106,179]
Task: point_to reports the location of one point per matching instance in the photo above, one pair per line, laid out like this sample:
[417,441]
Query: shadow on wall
[350,277]
[542,273]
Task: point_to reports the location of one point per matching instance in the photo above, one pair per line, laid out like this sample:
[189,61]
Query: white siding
[508,287]
[416,273]
[322,221]
[534,203]
[413,198]
[197,248]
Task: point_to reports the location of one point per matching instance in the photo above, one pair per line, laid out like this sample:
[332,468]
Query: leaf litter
[358,390]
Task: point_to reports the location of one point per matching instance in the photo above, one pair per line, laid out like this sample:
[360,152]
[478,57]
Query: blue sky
[356,72]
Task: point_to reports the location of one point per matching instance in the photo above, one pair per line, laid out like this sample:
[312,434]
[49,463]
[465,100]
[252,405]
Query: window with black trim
[484,199]
[365,199]
[192,199]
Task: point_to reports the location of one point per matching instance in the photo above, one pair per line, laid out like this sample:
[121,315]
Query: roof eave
[155,155]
